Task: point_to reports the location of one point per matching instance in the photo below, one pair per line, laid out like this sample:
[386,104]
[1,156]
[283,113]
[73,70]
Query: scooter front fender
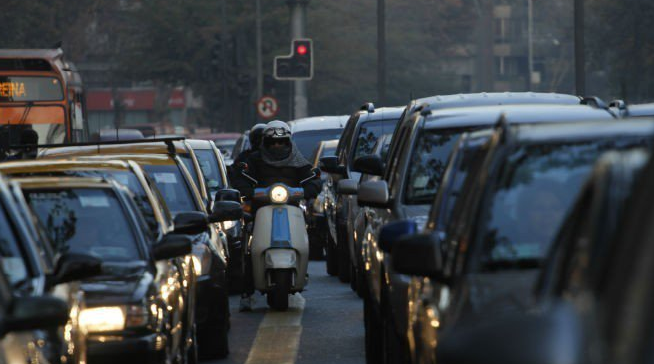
[278,230]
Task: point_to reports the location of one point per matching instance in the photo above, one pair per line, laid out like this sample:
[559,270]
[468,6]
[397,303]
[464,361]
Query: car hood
[417,213]
[119,283]
[492,294]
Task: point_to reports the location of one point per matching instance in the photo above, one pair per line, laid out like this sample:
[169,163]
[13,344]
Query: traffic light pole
[580,59]
[298,10]
[259,57]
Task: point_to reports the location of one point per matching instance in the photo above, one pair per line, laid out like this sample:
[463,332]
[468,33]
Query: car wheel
[316,239]
[372,334]
[192,350]
[360,279]
[213,341]
[331,259]
[393,350]
[353,278]
[343,263]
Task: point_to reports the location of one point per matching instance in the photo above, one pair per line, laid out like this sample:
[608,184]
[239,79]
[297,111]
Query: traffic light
[298,65]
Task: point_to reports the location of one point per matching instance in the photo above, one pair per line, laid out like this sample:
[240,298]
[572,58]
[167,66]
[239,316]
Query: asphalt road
[323,325]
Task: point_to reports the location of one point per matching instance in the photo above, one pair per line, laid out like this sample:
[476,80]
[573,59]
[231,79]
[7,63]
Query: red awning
[101,100]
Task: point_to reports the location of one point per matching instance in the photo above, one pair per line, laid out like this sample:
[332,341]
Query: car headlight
[102,319]
[279,194]
[229,224]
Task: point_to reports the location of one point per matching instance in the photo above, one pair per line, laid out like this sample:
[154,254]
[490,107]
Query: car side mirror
[418,255]
[369,164]
[393,231]
[330,164]
[228,194]
[172,246]
[347,187]
[373,194]
[36,312]
[74,267]
[547,337]
[226,211]
[191,223]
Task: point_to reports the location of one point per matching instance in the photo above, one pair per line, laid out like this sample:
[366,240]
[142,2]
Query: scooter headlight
[102,319]
[279,194]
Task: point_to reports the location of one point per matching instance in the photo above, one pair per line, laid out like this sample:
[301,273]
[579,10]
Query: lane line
[278,336]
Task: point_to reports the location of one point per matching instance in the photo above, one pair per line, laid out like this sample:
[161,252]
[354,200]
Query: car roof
[63,182]
[199,143]
[489,115]
[318,123]
[495,98]
[135,148]
[146,159]
[587,130]
[381,113]
[43,165]
[640,110]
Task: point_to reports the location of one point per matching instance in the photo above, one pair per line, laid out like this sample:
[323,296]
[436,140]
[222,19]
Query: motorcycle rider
[278,160]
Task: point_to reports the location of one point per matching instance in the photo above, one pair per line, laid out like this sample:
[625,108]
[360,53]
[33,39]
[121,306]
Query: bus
[40,94]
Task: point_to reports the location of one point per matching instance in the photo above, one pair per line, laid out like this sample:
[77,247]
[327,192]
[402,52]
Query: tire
[353,278]
[361,281]
[213,339]
[393,350]
[278,298]
[316,240]
[373,339]
[331,259]
[343,263]
[192,351]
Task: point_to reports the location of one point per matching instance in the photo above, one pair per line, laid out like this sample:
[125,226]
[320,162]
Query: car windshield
[210,169]
[427,164]
[369,132]
[86,221]
[173,188]
[13,264]
[226,147]
[534,192]
[307,141]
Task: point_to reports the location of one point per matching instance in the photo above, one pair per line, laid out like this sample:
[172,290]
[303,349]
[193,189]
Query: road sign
[267,107]
[298,65]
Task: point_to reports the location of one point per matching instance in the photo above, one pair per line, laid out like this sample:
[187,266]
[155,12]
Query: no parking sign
[267,107]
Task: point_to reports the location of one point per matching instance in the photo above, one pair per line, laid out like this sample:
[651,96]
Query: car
[168,172]
[225,143]
[151,205]
[317,223]
[594,288]
[130,309]
[33,277]
[307,133]
[410,182]
[242,144]
[520,184]
[359,137]
[215,176]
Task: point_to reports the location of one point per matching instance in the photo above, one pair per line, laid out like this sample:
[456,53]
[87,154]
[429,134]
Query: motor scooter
[279,244]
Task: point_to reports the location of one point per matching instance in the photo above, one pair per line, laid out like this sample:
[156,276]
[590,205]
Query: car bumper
[148,349]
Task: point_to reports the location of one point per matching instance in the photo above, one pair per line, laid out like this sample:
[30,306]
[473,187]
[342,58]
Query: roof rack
[503,126]
[596,102]
[368,107]
[111,142]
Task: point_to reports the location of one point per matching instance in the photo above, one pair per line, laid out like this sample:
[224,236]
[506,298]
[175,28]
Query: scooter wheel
[278,298]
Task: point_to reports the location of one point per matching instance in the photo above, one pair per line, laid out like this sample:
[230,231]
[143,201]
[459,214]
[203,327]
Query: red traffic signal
[301,49]
[298,65]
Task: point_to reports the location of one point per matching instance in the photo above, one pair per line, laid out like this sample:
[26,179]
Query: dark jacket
[266,175]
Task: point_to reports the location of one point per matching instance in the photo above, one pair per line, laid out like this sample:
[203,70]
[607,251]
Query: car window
[210,169]
[173,188]
[368,134]
[12,262]
[533,194]
[86,221]
[427,164]
[307,141]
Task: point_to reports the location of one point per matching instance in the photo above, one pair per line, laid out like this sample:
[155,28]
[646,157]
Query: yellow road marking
[278,336]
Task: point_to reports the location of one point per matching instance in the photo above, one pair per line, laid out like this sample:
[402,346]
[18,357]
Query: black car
[359,137]
[518,189]
[29,276]
[412,178]
[595,293]
[132,309]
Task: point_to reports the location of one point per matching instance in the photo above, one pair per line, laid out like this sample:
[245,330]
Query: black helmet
[255,136]
[277,139]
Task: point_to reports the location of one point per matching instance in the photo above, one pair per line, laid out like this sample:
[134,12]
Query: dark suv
[358,139]
[518,189]
[414,169]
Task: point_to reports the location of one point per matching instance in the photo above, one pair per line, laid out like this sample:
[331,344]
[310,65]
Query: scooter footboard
[279,241]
